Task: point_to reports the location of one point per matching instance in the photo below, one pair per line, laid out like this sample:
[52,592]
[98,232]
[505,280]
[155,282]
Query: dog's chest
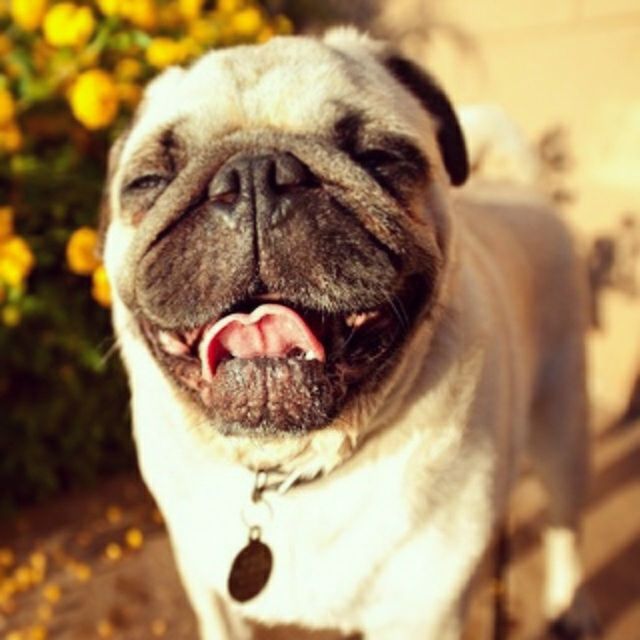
[327,538]
[327,547]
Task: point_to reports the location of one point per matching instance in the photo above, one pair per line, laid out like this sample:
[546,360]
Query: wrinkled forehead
[293,84]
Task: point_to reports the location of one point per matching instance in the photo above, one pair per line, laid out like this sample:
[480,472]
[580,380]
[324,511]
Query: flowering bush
[71,74]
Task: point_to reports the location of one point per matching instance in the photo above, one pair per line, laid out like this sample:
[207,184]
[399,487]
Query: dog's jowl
[335,355]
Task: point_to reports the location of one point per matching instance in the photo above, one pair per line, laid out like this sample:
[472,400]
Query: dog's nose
[258,184]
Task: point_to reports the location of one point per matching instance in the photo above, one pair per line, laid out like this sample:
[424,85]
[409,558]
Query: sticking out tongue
[271,330]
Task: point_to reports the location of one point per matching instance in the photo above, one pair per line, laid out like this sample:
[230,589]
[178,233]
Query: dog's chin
[320,363]
[273,396]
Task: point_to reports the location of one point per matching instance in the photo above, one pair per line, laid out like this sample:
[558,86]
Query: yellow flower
[81,571]
[7,107]
[22,574]
[169,16]
[7,557]
[10,137]
[52,592]
[81,251]
[113,514]
[134,538]
[5,45]
[88,57]
[11,316]
[6,228]
[94,99]
[266,33]
[229,6]
[205,32]
[41,54]
[44,612]
[190,9]
[38,561]
[100,289]
[105,629]
[68,25]
[38,632]
[247,23]
[113,551]
[158,627]
[16,261]
[28,14]
[129,93]
[163,52]
[128,69]
[283,25]
[142,13]
[109,7]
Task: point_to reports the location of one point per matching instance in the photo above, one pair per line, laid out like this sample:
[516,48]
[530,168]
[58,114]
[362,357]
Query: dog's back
[538,260]
[541,276]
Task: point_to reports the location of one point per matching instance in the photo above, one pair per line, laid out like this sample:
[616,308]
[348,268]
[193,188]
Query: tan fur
[413,479]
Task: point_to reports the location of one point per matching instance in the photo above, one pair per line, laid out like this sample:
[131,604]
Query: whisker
[399,311]
[348,340]
[110,352]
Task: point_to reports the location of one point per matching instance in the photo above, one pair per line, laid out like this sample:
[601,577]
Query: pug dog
[335,358]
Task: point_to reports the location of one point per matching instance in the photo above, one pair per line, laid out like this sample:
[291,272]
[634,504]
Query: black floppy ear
[434,100]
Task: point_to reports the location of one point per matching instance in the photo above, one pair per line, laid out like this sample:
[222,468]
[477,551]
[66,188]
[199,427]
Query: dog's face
[277,227]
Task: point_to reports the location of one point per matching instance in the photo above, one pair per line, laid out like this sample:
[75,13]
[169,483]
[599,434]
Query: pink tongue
[271,330]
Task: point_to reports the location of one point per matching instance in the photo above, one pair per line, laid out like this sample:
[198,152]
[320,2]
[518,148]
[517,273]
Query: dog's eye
[140,194]
[376,158]
[398,169]
[388,168]
[146,182]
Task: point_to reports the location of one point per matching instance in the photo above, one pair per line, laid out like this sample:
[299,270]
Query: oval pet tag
[250,570]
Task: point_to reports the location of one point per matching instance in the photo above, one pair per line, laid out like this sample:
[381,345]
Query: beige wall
[573,64]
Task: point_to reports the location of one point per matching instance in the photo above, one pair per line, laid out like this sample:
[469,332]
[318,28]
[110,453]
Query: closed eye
[374,158]
[398,168]
[146,182]
[140,194]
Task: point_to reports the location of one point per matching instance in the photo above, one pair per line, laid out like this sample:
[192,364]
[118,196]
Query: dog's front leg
[423,592]
[215,620]
[421,627]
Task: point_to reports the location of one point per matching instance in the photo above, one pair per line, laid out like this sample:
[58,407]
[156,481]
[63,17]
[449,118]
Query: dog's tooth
[172,344]
[356,320]
[310,356]
[351,320]
[191,336]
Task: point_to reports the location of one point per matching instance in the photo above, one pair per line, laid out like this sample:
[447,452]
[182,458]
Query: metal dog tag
[251,569]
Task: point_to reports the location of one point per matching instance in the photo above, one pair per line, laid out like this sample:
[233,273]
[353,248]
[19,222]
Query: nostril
[225,186]
[264,186]
[287,172]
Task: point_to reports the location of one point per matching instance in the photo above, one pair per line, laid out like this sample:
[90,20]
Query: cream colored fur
[413,480]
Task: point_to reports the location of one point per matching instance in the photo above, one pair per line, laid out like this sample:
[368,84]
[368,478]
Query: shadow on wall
[614,264]
[381,18]
[555,162]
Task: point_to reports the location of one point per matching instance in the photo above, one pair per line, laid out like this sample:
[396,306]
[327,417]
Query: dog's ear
[418,82]
[434,100]
[104,210]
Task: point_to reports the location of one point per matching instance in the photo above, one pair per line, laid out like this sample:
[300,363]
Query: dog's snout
[288,172]
[260,185]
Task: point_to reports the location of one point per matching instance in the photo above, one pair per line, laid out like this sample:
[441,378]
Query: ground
[97,564]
